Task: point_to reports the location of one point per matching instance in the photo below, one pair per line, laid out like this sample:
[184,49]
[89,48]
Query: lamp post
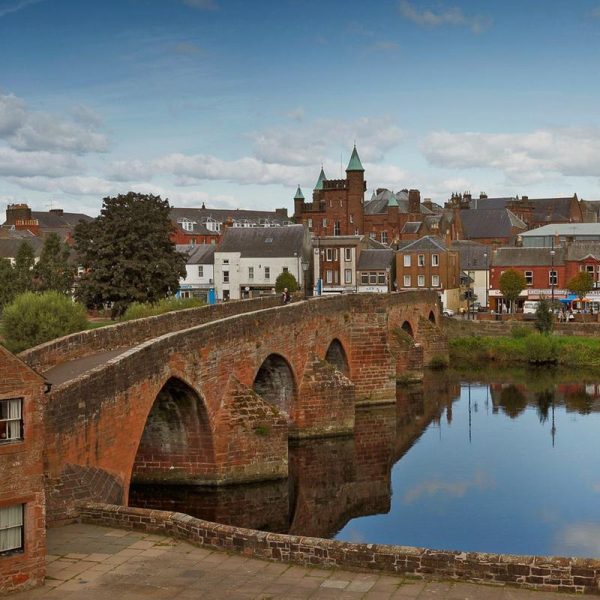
[485,255]
[552,278]
[305,265]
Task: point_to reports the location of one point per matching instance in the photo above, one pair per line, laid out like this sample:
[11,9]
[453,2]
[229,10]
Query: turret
[355,175]
[298,202]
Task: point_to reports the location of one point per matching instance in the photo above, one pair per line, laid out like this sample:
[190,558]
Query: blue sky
[234,103]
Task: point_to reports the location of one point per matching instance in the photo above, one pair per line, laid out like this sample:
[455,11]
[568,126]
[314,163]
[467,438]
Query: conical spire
[322,178]
[299,195]
[393,201]
[354,164]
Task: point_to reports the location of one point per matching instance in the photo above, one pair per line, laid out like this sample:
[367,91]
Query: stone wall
[541,573]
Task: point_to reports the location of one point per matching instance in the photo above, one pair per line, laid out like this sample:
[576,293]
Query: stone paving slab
[96,563]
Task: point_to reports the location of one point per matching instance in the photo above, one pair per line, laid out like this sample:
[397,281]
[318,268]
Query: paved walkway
[97,563]
[70,369]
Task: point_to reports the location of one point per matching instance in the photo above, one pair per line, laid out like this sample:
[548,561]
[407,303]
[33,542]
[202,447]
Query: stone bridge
[216,401]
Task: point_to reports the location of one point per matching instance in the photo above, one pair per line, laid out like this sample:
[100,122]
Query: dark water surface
[503,462]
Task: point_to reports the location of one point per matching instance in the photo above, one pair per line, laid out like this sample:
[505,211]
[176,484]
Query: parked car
[448,312]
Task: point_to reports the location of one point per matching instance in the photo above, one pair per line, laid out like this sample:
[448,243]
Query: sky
[235,102]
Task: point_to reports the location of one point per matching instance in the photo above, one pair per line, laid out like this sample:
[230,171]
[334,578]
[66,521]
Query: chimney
[524,198]
[482,195]
[428,203]
[56,211]
[281,212]
[17,212]
[414,201]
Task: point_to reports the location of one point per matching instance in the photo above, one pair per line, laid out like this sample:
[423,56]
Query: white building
[200,271]
[249,260]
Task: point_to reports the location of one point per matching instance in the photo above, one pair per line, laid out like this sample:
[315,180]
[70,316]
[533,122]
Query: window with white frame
[384,237]
[364,278]
[267,273]
[187,225]
[553,277]
[381,279]
[309,223]
[435,260]
[529,277]
[373,235]
[225,276]
[421,280]
[407,260]
[11,420]
[329,276]
[11,528]
[337,228]
[336,277]
[435,281]
[329,254]
[347,254]
[421,260]
[372,278]
[250,273]
[407,282]
[200,270]
[351,219]
[347,275]
[324,223]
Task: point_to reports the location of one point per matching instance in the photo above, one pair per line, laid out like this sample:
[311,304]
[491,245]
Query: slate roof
[56,220]
[200,215]
[471,255]
[411,227]
[491,223]
[551,209]
[379,203]
[580,250]
[426,244]
[527,257]
[375,260]
[10,246]
[259,242]
[489,203]
[564,229]
[199,254]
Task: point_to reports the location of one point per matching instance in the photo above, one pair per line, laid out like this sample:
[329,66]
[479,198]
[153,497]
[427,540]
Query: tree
[544,319]
[24,263]
[7,282]
[54,271]
[580,284]
[127,253]
[511,284]
[34,318]
[286,280]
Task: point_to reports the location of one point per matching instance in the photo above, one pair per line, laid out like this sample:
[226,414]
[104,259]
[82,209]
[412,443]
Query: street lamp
[552,278]
[485,255]
[305,264]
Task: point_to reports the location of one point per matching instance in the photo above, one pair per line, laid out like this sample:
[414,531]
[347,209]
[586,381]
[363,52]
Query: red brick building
[22,499]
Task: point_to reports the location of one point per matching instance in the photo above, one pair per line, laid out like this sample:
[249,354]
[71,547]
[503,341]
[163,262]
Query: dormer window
[187,225]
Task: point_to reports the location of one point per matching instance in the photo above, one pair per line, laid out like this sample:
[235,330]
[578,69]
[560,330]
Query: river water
[504,461]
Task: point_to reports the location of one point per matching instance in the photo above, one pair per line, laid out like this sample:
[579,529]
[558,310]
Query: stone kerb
[131,333]
[534,572]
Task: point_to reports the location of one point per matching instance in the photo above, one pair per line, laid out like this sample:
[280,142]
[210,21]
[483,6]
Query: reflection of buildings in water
[332,480]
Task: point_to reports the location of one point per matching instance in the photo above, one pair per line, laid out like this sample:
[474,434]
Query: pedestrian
[285,296]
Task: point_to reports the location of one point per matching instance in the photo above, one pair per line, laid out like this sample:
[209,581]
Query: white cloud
[12,7]
[26,164]
[582,539]
[29,130]
[525,158]
[75,185]
[455,489]
[453,16]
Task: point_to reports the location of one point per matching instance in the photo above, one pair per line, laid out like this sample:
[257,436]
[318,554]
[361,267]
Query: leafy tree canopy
[544,319]
[7,282]
[511,284]
[286,280]
[24,263]
[127,253]
[580,284]
[54,271]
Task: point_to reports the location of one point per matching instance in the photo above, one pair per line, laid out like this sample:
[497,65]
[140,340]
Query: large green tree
[54,271]
[511,284]
[24,264]
[127,253]
[8,284]
[580,284]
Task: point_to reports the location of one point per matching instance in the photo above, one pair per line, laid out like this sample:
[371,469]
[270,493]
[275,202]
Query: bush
[286,280]
[438,363]
[139,310]
[33,319]
[541,349]
[544,319]
[520,331]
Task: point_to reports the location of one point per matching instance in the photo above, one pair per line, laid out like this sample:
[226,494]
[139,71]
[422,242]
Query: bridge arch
[336,355]
[177,440]
[275,382]
[408,328]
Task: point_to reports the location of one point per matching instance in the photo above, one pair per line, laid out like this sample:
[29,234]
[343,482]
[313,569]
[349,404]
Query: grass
[138,310]
[534,348]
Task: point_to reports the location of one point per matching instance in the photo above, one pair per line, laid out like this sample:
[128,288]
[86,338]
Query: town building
[11,240]
[200,265]
[376,271]
[474,265]
[205,225]
[22,500]
[249,260]
[494,227]
[428,263]
[560,233]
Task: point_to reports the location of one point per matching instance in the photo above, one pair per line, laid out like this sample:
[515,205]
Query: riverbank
[524,347]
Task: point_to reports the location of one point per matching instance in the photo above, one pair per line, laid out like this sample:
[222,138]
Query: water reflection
[497,462]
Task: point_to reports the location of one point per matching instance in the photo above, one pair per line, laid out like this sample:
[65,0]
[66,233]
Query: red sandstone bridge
[212,395]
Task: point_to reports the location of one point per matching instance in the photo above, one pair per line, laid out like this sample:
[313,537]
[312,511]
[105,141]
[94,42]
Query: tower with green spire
[298,202]
[356,187]
[322,178]
[354,164]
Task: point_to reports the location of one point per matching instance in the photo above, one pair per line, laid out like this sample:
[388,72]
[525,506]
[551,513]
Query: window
[337,229]
[309,223]
[11,420]
[421,260]
[329,254]
[225,276]
[384,237]
[329,276]
[11,528]
[435,281]
[267,272]
[407,260]
[250,273]
[225,261]
[351,219]
[407,281]
[193,241]
[324,223]
[553,277]
[421,280]
[347,254]
[200,270]
[373,278]
[364,278]
[381,278]
[285,270]
[373,235]
[330,204]
[529,277]
[187,225]
[348,276]
[435,260]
